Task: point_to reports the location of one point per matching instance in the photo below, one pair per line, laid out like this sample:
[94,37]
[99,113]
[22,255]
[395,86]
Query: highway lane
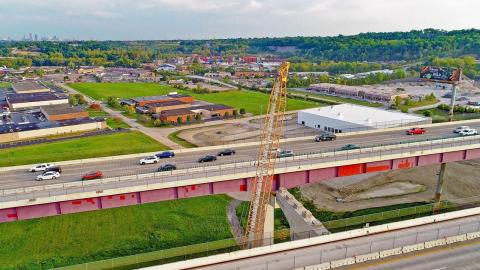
[22,178]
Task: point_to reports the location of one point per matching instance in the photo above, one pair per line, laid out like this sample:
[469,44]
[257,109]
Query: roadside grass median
[159,231]
[175,138]
[90,147]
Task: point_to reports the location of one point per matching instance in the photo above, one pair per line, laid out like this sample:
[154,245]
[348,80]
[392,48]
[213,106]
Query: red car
[416,131]
[92,175]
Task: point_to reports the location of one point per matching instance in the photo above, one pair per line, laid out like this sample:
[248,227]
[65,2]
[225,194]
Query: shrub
[113,102]
[427,113]
[242,111]
[179,120]
[198,117]
[404,110]
[95,106]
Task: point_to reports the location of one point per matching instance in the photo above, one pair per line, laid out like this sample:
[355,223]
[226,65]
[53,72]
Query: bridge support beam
[441,176]
[269,225]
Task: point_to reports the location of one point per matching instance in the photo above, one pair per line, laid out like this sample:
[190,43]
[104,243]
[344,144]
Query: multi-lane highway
[71,173]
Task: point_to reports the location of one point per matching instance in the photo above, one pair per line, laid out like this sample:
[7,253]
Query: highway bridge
[128,183]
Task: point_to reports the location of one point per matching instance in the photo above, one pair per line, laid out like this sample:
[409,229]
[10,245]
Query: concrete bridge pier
[269,225]
[439,189]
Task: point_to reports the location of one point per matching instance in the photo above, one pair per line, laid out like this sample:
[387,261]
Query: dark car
[166,154]
[285,153]
[92,175]
[348,147]
[226,152]
[208,158]
[325,137]
[53,169]
[167,167]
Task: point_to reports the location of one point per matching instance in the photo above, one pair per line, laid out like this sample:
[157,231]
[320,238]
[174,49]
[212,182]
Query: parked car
[226,152]
[92,175]
[348,147]
[54,169]
[40,167]
[285,153]
[48,176]
[416,131]
[468,132]
[166,154]
[460,128]
[325,137]
[207,158]
[149,160]
[167,167]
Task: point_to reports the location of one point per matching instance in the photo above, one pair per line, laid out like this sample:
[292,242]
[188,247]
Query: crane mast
[267,156]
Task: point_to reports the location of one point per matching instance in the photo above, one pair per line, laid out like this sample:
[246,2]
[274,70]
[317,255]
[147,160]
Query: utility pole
[452,101]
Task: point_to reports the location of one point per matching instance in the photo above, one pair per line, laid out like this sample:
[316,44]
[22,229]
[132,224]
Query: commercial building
[142,101]
[172,116]
[213,110]
[21,101]
[63,112]
[348,117]
[167,105]
[28,87]
[378,94]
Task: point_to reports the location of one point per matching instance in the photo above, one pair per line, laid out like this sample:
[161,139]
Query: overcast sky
[197,19]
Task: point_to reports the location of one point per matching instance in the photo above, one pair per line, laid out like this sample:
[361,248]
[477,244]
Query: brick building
[63,112]
[142,101]
[167,105]
[213,110]
[171,116]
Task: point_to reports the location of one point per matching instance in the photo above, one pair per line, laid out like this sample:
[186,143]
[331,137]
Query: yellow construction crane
[261,187]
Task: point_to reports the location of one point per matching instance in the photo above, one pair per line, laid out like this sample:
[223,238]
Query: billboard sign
[440,74]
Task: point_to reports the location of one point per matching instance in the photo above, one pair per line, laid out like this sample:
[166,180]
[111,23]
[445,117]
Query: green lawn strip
[111,122]
[337,100]
[252,102]
[174,137]
[90,147]
[154,231]
[439,116]
[414,104]
[5,85]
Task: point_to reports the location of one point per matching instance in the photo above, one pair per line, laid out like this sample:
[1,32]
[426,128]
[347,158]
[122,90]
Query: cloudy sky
[196,19]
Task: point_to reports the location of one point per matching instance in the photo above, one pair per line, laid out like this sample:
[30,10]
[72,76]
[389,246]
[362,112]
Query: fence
[229,245]
[240,168]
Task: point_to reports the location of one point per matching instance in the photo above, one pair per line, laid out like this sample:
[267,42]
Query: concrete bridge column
[439,189]
[269,225]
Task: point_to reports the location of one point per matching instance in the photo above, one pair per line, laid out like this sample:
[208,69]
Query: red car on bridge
[92,175]
[416,131]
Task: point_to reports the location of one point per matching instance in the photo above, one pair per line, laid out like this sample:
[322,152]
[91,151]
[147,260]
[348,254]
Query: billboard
[440,74]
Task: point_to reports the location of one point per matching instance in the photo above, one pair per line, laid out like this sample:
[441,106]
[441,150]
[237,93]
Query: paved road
[464,256]
[22,178]
[334,251]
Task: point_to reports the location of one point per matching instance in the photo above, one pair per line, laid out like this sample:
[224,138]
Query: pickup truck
[416,131]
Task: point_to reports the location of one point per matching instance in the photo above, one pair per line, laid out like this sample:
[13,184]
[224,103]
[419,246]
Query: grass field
[5,85]
[89,147]
[439,116]
[252,102]
[174,137]
[111,122]
[333,99]
[77,238]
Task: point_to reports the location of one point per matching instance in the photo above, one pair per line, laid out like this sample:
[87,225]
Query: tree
[72,100]
[226,114]
[145,118]
[427,113]
[157,122]
[128,110]
[179,120]
[198,117]
[235,113]
[242,111]
[81,99]
[189,118]
[113,102]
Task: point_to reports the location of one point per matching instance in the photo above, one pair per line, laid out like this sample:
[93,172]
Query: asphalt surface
[72,173]
[313,255]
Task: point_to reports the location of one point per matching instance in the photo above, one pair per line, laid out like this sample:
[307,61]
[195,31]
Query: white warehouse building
[348,117]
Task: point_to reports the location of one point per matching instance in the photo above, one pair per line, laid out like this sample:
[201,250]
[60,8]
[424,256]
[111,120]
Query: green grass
[5,85]
[337,100]
[439,116]
[415,104]
[252,102]
[91,236]
[90,147]
[111,122]
[174,137]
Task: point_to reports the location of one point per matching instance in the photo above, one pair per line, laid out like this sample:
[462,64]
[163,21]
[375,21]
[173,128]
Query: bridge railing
[240,168]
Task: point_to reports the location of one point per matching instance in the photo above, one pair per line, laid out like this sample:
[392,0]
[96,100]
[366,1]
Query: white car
[459,129]
[149,160]
[41,167]
[468,132]
[48,176]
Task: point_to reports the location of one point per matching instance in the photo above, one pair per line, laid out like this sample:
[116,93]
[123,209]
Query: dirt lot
[245,131]
[395,187]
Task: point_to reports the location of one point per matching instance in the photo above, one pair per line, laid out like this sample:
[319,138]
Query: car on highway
[92,175]
[285,153]
[348,147]
[40,167]
[468,132]
[226,152]
[166,154]
[167,167]
[207,158]
[325,137]
[54,169]
[149,160]
[460,128]
[416,131]
[48,176]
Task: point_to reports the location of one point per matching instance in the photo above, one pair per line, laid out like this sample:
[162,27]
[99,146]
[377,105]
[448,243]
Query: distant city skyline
[209,19]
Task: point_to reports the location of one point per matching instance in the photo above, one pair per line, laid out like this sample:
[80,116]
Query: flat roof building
[167,105]
[28,87]
[63,112]
[172,116]
[142,101]
[213,110]
[21,101]
[348,117]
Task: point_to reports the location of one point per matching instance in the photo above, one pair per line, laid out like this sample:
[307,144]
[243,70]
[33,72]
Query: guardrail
[246,168]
